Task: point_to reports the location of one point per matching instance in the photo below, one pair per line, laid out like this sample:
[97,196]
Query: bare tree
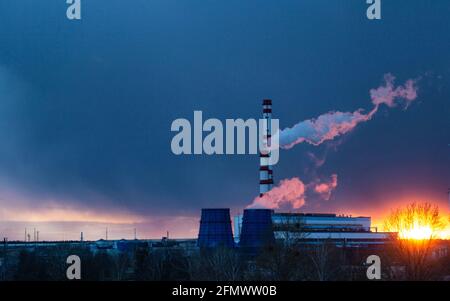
[122,263]
[225,264]
[280,262]
[415,226]
[193,266]
[327,260]
[320,257]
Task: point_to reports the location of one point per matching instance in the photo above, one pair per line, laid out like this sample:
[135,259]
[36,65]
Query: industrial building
[317,227]
[258,227]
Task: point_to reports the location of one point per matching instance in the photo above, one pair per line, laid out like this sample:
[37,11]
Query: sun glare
[417,221]
[417,232]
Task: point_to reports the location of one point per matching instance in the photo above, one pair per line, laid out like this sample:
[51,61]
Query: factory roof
[317,215]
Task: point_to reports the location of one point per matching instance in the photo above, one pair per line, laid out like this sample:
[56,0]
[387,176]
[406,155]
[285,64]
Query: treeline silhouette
[280,262]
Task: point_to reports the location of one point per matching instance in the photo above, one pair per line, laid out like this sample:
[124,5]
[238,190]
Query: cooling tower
[256,230]
[215,229]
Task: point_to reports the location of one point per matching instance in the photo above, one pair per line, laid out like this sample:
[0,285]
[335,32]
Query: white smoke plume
[324,189]
[325,127]
[336,123]
[388,94]
[291,193]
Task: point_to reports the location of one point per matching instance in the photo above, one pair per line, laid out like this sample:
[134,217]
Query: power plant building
[256,228]
[317,227]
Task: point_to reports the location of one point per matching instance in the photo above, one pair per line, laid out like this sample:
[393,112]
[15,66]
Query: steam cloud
[325,189]
[292,192]
[289,192]
[388,94]
[335,123]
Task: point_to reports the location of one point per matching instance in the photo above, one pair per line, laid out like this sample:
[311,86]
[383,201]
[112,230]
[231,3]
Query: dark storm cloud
[86,107]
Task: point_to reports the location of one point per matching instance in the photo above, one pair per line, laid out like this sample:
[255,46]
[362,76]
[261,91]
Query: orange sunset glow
[418,221]
[417,226]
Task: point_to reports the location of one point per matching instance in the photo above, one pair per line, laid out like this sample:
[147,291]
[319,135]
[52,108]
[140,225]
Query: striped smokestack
[265,170]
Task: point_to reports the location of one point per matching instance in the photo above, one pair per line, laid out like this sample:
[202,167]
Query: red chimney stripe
[265,182]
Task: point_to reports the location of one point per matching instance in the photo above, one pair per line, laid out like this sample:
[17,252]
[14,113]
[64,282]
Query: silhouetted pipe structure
[215,229]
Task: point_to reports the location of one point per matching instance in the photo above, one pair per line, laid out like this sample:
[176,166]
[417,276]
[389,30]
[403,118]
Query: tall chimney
[265,170]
